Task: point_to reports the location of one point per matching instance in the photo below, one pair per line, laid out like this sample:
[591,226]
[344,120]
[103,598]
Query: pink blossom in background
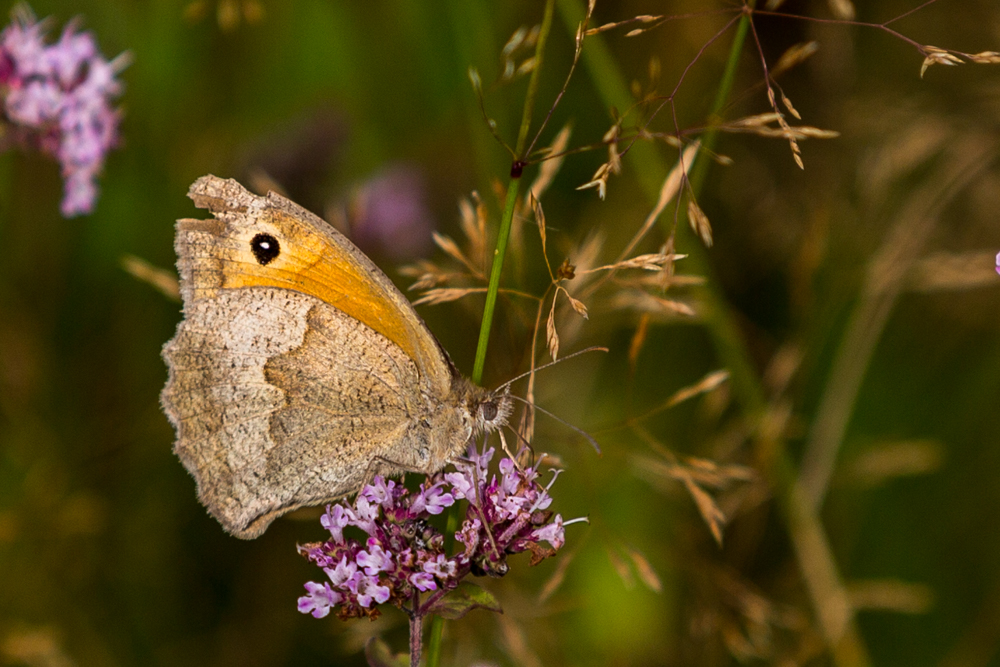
[389,215]
[57,98]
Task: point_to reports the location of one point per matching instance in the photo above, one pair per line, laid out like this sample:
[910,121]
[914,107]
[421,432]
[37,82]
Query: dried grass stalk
[984,57]
[472,221]
[645,18]
[644,569]
[644,302]
[638,341]
[842,9]
[945,271]
[935,56]
[794,55]
[891,595]
[551,335]
[699,222]
[162,280]
[550,165]
[446,295]
[706,384]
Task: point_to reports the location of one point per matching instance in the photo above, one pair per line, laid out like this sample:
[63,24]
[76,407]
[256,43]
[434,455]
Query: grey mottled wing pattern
[282,401]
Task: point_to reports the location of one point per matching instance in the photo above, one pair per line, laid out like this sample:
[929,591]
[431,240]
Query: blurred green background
[854,302]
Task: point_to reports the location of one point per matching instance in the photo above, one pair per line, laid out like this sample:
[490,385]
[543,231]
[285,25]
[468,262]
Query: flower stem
[437,623]
[416,632]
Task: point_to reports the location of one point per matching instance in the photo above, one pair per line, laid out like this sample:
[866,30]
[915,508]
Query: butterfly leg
[380,465]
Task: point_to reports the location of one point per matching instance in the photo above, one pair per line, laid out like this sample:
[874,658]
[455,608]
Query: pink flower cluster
[403,554]
[57,98]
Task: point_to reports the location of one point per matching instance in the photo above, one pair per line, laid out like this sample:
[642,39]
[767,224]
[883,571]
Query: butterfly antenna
[562,421]
[551,363]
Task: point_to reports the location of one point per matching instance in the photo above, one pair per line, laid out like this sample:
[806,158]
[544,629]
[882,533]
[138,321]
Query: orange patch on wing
[311,265]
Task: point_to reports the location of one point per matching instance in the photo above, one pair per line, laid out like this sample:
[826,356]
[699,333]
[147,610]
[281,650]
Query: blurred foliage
[107,559]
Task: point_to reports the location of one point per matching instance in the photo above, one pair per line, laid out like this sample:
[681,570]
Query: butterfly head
[491,410]
[480,410]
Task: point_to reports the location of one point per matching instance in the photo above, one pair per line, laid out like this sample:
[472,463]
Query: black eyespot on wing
[264,248]
[489,410]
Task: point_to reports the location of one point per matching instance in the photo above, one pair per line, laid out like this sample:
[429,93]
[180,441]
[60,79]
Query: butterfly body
[299,370]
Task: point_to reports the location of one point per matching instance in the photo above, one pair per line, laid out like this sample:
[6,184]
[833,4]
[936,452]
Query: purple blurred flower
[403,554]
[388,214]
[998,262]
[57,99]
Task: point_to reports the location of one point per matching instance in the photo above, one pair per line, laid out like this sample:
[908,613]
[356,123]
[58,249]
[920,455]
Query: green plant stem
[513,189]
[473,42]
[812,549]
[711,135]
[726,335]
[529,98]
